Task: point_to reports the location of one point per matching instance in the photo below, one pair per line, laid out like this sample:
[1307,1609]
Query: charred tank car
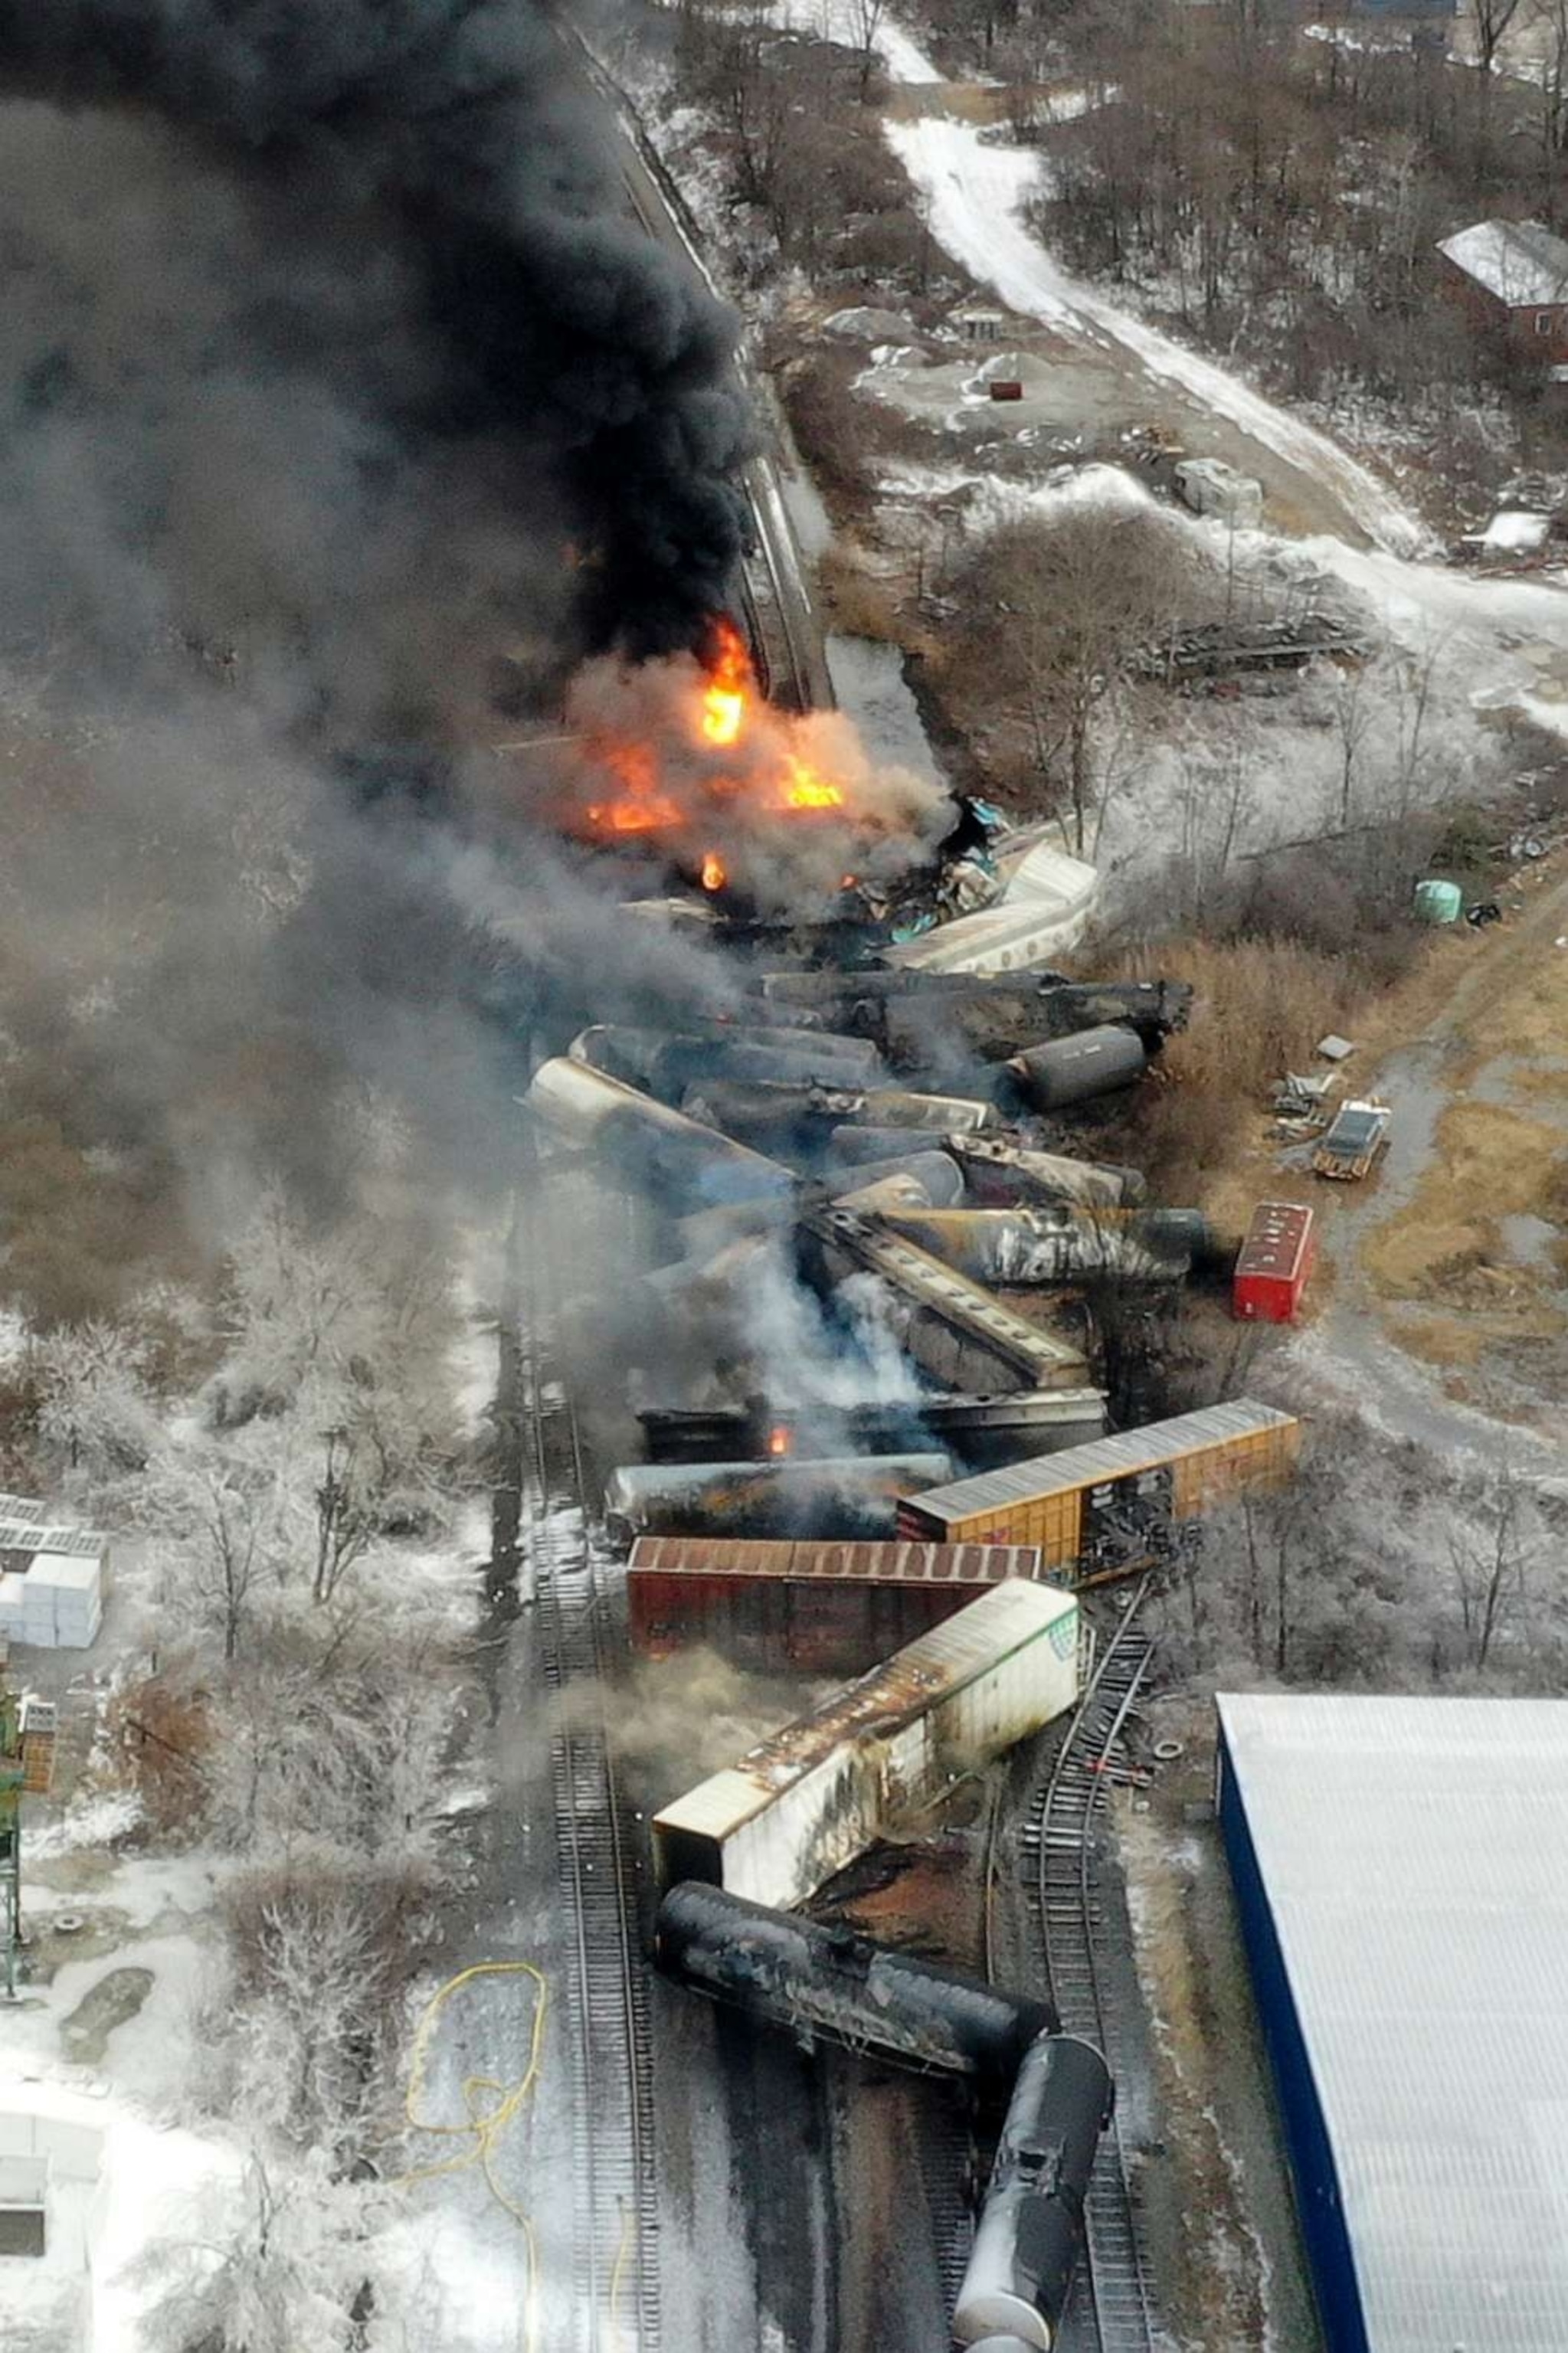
[827,1983]
[1032,2225]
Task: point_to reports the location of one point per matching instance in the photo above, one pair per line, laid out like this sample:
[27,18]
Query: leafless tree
[865,18]
[1491,1548]
[344,1512]
[1056,610]
[1354,715]
[227,1562]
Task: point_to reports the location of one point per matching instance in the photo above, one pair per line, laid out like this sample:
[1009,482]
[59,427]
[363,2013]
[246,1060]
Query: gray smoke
[339,398]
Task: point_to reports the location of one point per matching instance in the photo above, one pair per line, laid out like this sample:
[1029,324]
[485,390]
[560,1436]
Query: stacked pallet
[51,1598]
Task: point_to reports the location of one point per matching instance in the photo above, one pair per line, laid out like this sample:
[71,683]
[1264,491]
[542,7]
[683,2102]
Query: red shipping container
[1006,387]
[1274,1262]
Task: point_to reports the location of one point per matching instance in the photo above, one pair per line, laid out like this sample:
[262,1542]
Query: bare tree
[1354,715]
[227,1566]
[1491,1546]
[344,1512]
[866,19]
[1056,611]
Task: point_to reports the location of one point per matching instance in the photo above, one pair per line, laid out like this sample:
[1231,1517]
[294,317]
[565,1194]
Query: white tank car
[1030,2228]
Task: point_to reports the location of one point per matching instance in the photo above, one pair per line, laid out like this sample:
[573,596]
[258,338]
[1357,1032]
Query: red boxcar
[828,1608]
[1274,1262]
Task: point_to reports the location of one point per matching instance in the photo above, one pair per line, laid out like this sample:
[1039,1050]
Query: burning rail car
[962,1338]
[983,1432]
[666,1062]
[792,1812]
[798,1117]
[856,1496]
[826,1609]
[649,1142]
[1023,1247]
[1100,1511]
[916,1018]
[827,1984]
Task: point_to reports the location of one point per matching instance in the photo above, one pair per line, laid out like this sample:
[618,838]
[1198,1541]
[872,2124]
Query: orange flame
[713,872]
[779,1440]
[722,709]
[805,789]
[725,697]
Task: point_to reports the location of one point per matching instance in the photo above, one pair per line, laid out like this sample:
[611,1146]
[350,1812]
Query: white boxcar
[791,1813]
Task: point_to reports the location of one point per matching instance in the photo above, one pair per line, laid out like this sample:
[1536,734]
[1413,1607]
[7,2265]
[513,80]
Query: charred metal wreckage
[905,1135]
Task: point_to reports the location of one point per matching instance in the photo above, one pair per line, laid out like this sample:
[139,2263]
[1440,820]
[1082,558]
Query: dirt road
[1449,1315]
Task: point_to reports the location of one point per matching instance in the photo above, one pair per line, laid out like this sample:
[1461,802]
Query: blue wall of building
[1318,2199]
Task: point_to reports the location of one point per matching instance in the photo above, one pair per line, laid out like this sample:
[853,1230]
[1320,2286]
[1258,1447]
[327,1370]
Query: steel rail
[1060,1864]
[615,2274]
[763,592]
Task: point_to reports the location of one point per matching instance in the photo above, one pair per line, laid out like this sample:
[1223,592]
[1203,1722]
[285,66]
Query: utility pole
[27,1769]
[12,1780]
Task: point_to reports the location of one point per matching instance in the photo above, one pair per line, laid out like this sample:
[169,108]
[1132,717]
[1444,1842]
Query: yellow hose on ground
[483,2126]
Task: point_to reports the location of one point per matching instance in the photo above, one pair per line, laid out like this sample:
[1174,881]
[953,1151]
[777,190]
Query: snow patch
[97,1821]
[976,191]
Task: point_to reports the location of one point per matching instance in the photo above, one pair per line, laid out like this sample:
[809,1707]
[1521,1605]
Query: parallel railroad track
[1061,1881]
[1108,2312]
[615,2271]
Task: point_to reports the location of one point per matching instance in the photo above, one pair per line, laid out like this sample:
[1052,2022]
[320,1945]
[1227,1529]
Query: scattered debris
[1335,1048]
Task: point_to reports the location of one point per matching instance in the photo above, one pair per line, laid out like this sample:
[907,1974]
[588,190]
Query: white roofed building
[1401,1870]
[1511,278]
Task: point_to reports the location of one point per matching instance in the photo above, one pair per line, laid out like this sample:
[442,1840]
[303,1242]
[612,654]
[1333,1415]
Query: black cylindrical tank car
[1032,2225]
[827,1983]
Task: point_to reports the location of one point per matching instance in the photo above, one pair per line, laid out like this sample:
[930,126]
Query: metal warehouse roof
[1414,1857]
[1522,262]
[959,1650]
[843,1563]
[1103,1458]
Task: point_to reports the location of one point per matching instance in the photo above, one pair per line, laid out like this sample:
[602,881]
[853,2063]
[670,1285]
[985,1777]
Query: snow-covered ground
[845,21]
[976,189]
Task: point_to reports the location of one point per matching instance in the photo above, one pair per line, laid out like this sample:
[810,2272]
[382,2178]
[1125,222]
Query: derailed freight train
[829,1984]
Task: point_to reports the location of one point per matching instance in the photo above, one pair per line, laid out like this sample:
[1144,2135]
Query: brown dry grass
[1259,1007]
[860,605]
[164,1730]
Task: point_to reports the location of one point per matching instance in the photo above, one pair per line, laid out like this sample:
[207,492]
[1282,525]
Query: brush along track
[1108,2311]
[615,2269]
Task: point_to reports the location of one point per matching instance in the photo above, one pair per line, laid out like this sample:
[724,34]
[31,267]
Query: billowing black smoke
[338,393]
[334,331]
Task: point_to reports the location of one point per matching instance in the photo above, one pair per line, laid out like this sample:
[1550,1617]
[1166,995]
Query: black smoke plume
[363,270]
[338,392]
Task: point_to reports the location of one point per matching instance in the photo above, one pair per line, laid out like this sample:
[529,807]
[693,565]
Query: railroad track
[615,2269]
[774,607]
[1058,1868]
[947,2160]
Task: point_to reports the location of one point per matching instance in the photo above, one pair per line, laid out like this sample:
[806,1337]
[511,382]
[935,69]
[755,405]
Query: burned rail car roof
[1103,1458]
[902,1563]
[1042,1356]
[959,1650]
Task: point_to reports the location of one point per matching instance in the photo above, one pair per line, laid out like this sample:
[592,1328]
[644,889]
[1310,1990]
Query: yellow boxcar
[1086,1506]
